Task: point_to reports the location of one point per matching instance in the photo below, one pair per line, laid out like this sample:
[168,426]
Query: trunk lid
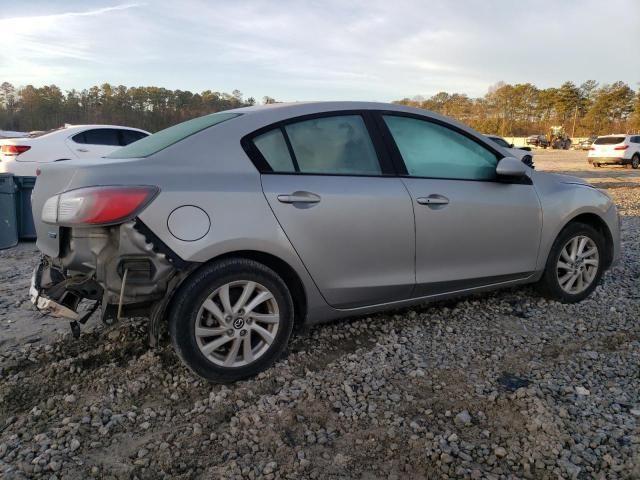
[50,182]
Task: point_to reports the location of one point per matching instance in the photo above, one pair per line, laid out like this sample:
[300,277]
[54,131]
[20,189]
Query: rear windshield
[36,134]
[608,140]
[167,137]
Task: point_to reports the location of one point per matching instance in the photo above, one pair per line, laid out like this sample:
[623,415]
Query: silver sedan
[233,227]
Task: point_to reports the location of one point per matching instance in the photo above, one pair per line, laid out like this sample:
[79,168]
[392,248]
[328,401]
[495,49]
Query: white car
[615,149]
[21,156]
[522,153]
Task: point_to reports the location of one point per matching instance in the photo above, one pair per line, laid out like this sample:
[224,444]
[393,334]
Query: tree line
[31,108]
[524,109]
[509,110]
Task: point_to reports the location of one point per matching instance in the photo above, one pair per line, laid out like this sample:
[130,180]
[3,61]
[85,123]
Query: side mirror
[511,167]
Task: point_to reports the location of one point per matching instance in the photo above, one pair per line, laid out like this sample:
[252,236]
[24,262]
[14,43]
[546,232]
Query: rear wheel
[575,264]
[635,162]
[231,320]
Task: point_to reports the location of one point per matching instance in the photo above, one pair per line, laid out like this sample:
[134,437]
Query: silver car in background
[235,226]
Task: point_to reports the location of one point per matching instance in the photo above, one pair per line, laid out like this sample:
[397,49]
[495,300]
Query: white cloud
[371,49]
[46,48]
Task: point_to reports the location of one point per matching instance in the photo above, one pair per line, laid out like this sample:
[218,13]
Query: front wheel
[231,320]
[575,264]
[635,162]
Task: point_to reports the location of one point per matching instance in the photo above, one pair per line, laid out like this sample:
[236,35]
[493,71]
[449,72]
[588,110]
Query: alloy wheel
[237,323]
[578,264]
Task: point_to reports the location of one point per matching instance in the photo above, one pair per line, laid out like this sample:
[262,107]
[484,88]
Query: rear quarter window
[98,136]
[165,138]
[273,147]
[130,136]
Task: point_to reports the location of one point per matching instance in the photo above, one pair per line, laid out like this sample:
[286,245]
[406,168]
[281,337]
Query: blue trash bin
[8,220]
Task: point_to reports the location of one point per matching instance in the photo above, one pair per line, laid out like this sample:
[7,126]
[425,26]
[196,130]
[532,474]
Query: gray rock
[500,452]
[462,419]
[582,391]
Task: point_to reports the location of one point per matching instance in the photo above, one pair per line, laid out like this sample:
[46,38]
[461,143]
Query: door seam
[415,238]
[304,265]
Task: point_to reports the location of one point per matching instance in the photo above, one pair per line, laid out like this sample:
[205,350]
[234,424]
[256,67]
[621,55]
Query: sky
[292,50]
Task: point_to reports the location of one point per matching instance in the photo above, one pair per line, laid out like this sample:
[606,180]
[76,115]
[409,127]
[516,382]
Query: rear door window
[333,145]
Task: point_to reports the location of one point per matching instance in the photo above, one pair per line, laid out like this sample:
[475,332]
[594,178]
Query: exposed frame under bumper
[47,306]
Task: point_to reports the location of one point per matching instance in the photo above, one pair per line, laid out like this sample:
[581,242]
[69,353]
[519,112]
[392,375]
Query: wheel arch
[283,269]
[596,221]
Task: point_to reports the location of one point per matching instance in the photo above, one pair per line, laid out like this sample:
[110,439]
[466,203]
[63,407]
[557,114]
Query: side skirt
[489,284]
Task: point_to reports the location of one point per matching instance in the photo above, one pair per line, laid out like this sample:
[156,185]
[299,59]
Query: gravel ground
[505,385]
[574,162]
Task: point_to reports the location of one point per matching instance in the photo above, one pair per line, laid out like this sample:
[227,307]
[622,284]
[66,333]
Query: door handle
[83,150]
[299,197]
[433,200]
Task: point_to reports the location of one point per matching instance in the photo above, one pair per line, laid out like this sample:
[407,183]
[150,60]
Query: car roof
[68,130]
[73,128]
[328,105]
[293,109]
[614,135]
[264,115]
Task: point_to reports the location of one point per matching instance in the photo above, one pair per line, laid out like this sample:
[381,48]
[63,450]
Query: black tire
[635,161]
[549,284]
[183,317]
[595,165]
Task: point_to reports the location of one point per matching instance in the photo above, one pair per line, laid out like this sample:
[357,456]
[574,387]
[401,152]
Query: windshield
[167,137]
[608,140]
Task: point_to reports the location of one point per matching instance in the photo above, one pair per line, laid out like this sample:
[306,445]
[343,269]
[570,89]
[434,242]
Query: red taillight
[622,147]
[97,205]
[113,205]
[14,149]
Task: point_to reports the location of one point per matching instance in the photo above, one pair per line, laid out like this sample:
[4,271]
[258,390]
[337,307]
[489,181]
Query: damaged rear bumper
[47,306]
[123,268]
